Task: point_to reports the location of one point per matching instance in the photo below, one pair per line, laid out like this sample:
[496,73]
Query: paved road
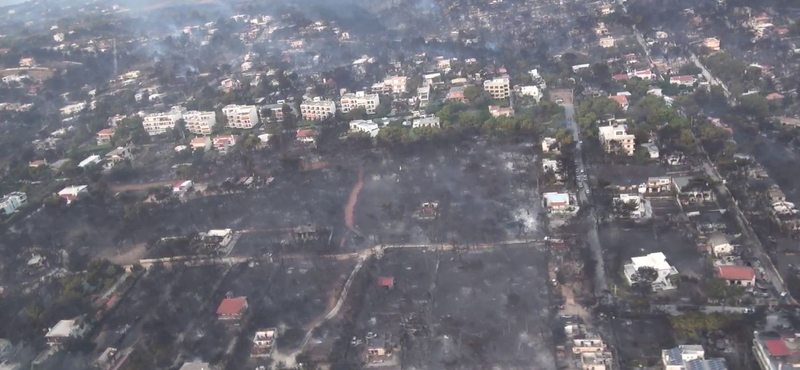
[772,275]
[674,311]
[709,77]
[600,282]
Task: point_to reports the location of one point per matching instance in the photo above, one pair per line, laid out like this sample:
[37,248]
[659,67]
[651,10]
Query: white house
[182,186]
[656,261]
[63,331]
[90,161]
[71,193]
[559,203]
[720,245]
[72,109]
[686,80]
[431,121]
[11,202]
[117,155]
[532,90]
[367,126]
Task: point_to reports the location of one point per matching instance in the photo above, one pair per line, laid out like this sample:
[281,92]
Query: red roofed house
[631,58]
[386,282]
[307,136]
[232,308]
[774,96]
[777,347]
[622,100]
[737,275]
[620,77]
[777,353]
[104,136]
[222,143]
[644,74]
[498,111]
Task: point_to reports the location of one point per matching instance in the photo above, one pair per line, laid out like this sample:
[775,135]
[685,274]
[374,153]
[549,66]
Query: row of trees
[458,122]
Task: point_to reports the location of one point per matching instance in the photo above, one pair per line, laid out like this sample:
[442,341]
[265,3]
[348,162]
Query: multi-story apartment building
[424,95]
[360,99]
[241,116]
[159,123]
[274,111]
[498,88]
[318,109]
[616,139]
[395,84]
[200,123]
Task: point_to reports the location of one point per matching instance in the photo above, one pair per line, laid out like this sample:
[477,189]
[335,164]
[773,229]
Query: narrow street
[602,292]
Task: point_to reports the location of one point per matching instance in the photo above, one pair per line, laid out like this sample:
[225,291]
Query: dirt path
[351,203]
[130,257]
[349,208]
[140,186]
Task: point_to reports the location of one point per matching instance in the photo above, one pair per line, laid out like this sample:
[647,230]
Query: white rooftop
[219,232]
[556,197]
[195,366]
[63,328]
[656,260]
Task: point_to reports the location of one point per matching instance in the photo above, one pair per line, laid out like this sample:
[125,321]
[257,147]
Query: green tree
[393,136]
[355,114]
[476,96]
[643,279]
[754,105]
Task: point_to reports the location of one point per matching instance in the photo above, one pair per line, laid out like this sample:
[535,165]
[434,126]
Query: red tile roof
[777,347]
[684,78]
[106,131]
[232,306]
[736,272]
[386,282]
[622,100]
[305,132]
[621,77]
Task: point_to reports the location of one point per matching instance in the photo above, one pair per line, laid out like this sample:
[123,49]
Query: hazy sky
[11,2]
